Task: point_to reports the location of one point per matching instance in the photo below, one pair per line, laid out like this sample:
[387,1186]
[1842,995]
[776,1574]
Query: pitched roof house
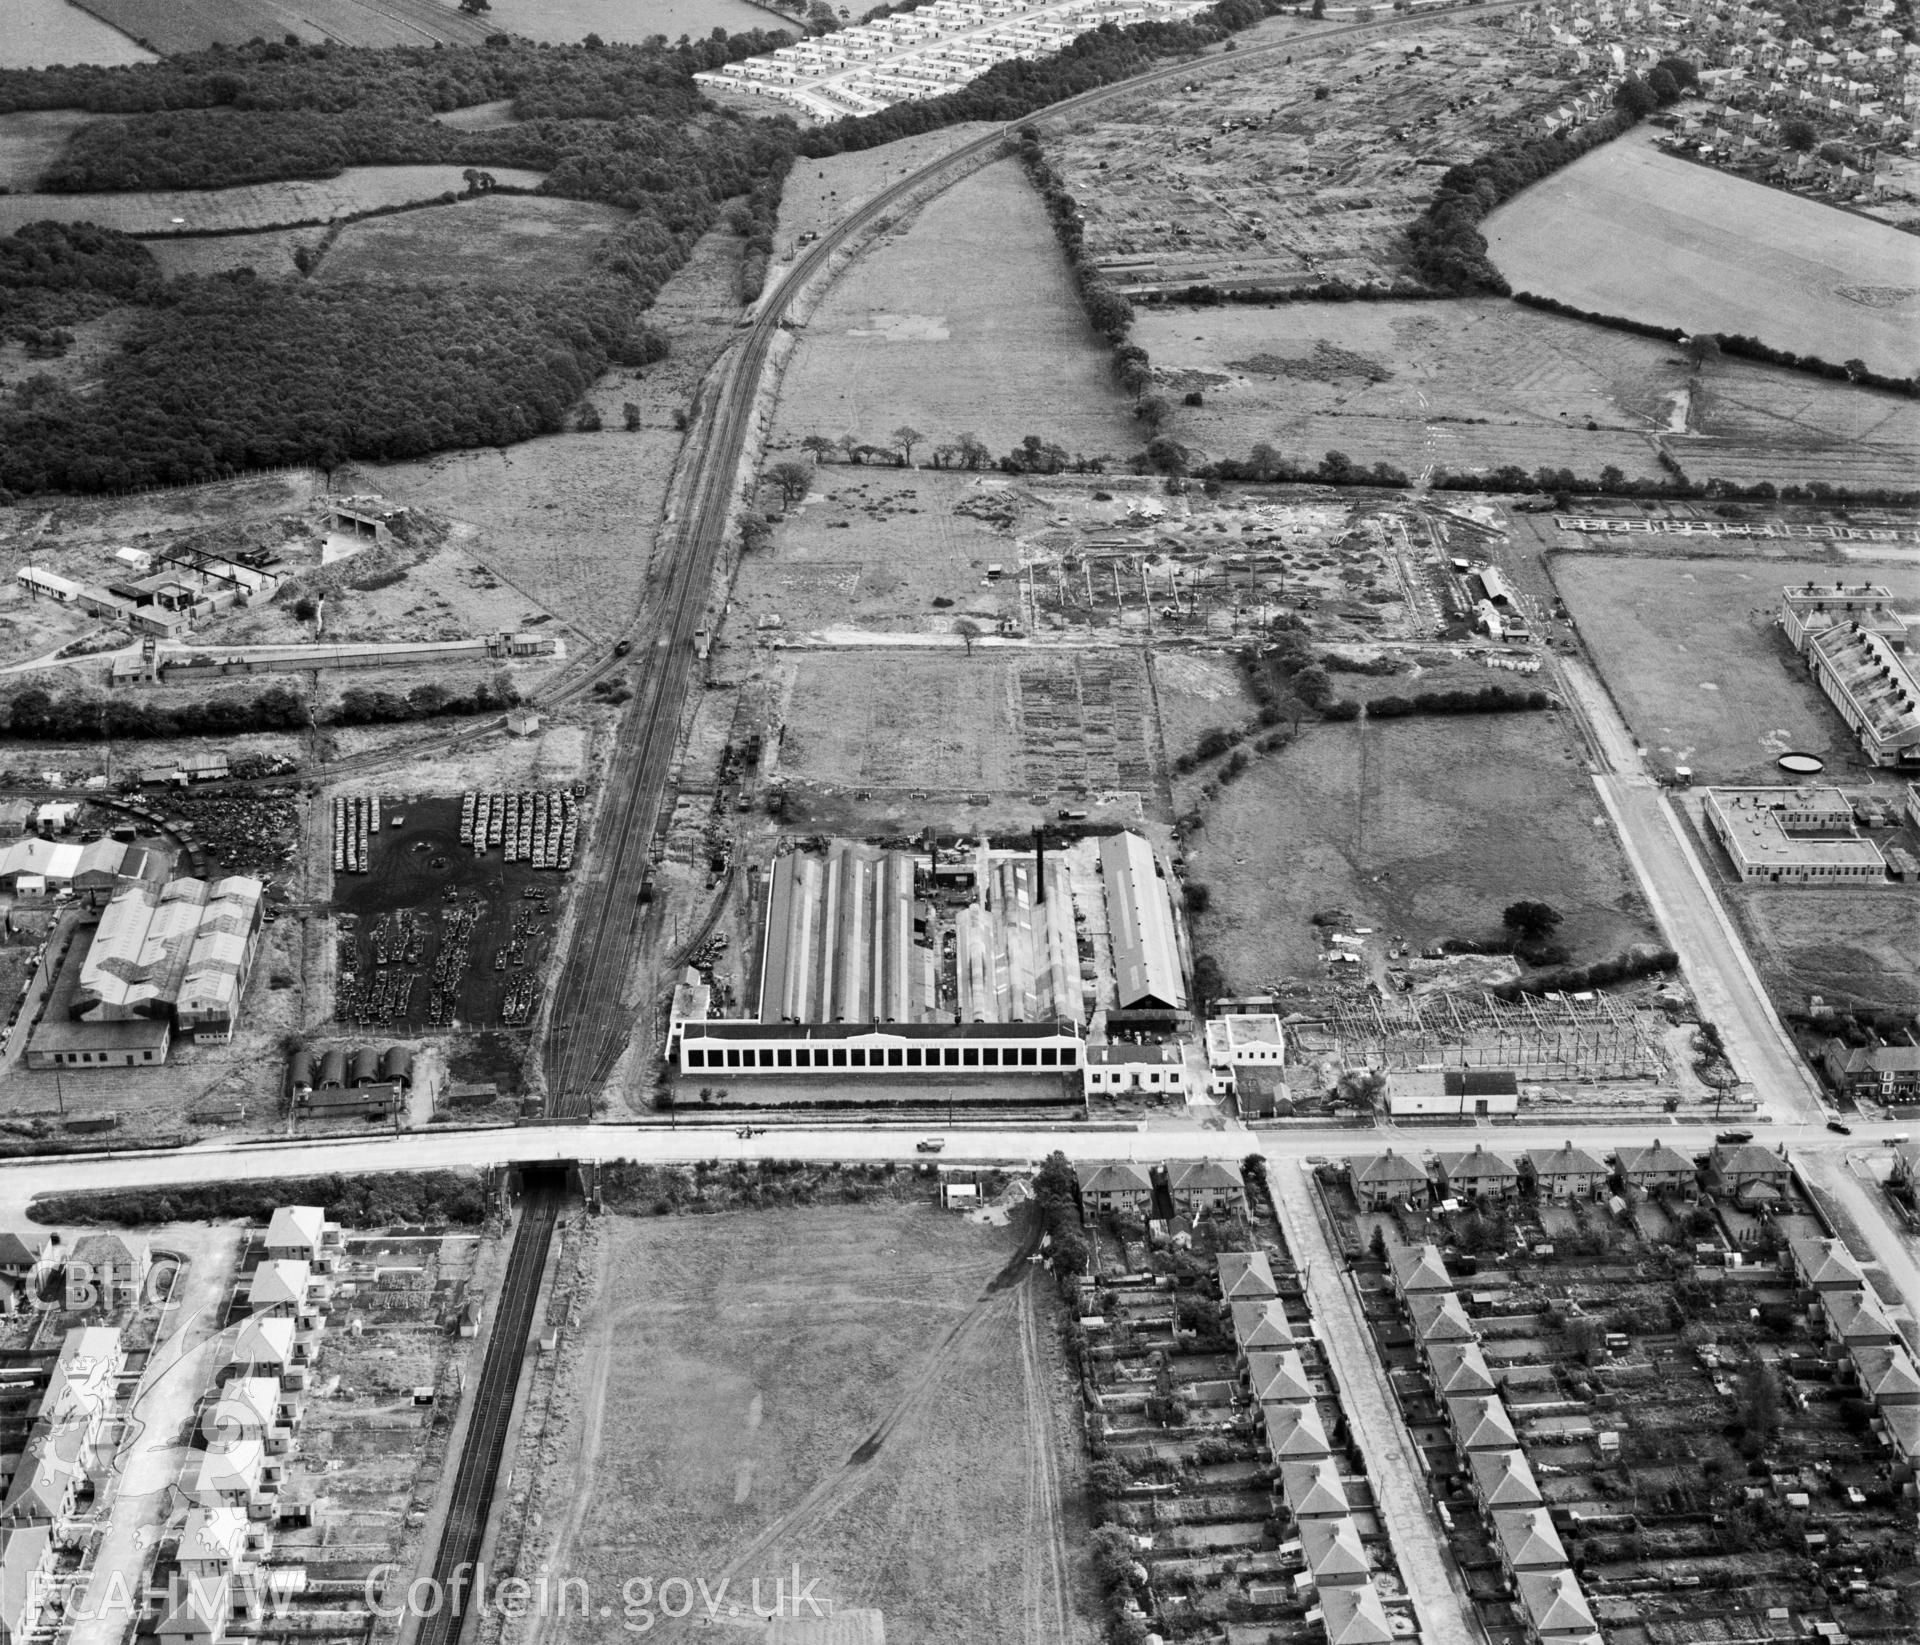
[1503,1481]
[1657,1169]
[1261,1325]
[1386,1179]
[1279,1379]
[1525,1540]
[1119,1186]
[1734,1166]
[280,1288]
[1245,1276]
[1314,1490]
[1887,1376]
[297,1233]
[1295,1433]
[1336,1557]
[1438,1319]
[1481,1424]
[1479,1172]
[1353,1615]
[1824,1265]
[1459,1370]
[1567,1172]
[1206,1186]
[1556,1611]
[1855,1319]
[26,1580]
[1417,1269]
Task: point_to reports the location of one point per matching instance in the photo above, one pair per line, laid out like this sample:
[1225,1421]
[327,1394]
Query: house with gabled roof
[1418,1269]
[24,1257]
[301,1233]
[216,1542]
[1739,1168]
[1555,1609]
[1314,1490]
[1206,1187]
[100,1257]
[1259,1326]
[1295,1433]
[1459,1370]
[1352,1614]
[1566,1172]
[1824,1266]
[1120,1187]
[1441,1318]
[1336,1557]
[1658,1169]
[1481,1424]
[1886,1376]
[1387,1179]
[1525,1540]
[1856,1319]
[266,1345]
[1245,1276]
[1478,1173]
[1278,1379]
[1503,1481]
[280,1288]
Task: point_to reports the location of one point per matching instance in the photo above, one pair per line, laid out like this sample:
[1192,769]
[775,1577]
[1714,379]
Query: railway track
[492,1396]
[589,1026]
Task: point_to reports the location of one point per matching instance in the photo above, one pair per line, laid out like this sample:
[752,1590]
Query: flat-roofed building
[1157,1070]
[1146,953]
[1811,608]
[1792,836]
[1246,1039]
[871,1049]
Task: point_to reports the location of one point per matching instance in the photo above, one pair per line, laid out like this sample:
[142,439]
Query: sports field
[1690,651]
[258,205]
[1630,230]
[871,1392]
[496,240]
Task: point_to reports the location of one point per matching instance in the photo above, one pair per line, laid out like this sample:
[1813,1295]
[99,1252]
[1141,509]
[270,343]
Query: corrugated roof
[1146,955]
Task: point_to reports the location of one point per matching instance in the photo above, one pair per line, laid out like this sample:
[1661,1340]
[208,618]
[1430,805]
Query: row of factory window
[912,1056]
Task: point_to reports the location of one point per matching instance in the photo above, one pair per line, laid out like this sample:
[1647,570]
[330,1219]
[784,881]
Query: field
[40,33]
[818,193]
[1629,230]
[192,25]
[1422,829]
[502,239]
[573,515]
[260,205]
[842,1388]
[1478,383]
[566,21]
[917,332]
[1852,947]
[269,253]
[1257,179]
[31,139]
[1691,654]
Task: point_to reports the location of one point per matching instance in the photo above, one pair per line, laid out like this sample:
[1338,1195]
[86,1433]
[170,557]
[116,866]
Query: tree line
[36,715]
[380,1199]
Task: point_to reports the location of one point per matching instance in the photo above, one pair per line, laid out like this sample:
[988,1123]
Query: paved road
[1400,1485]
[1689,910]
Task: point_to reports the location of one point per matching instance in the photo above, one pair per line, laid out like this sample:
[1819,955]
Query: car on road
[931,1145]
[623,648]
[1836,1125]
[1734,1136]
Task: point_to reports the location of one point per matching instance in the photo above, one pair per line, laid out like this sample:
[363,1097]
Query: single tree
[793,479]
[851,446]
[473,8]
[588,422]
[819,447]
[969,631]
[1798,135]
[1530,920]
[906,437]
[631,414]
[1703,348]
[973,452]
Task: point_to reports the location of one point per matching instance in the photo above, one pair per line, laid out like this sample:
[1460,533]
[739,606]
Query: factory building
[839,944]
[1792,836]
[1146,951]
[1810,609]
[1867,673]
[1016,956]
[841,1048]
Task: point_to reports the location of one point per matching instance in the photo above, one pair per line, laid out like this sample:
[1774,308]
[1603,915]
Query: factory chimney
[1040,867]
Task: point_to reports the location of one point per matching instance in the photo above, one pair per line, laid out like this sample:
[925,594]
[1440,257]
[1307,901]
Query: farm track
[589,1029]
[465,1526]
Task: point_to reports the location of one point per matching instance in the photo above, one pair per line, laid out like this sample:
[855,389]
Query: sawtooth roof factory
[967,958]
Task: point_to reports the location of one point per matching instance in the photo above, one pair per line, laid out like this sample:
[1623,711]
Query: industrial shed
[183,951]
[1146,951]
[839,943]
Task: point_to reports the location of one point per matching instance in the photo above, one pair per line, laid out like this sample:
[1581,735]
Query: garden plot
[1691,652]
[254,206]
[1630,230]
[1257,180]
[920,333]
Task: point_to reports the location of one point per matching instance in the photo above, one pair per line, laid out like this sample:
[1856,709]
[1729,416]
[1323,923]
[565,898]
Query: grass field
[565,21]
[30,139]
[1629,230]
[1423,829]
[920,331]
[844,1388]
[1483,382]
[192,25]
[1848,946]
[1691,654]
[269,253]
[39,33]
[496,240]
[261,205]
